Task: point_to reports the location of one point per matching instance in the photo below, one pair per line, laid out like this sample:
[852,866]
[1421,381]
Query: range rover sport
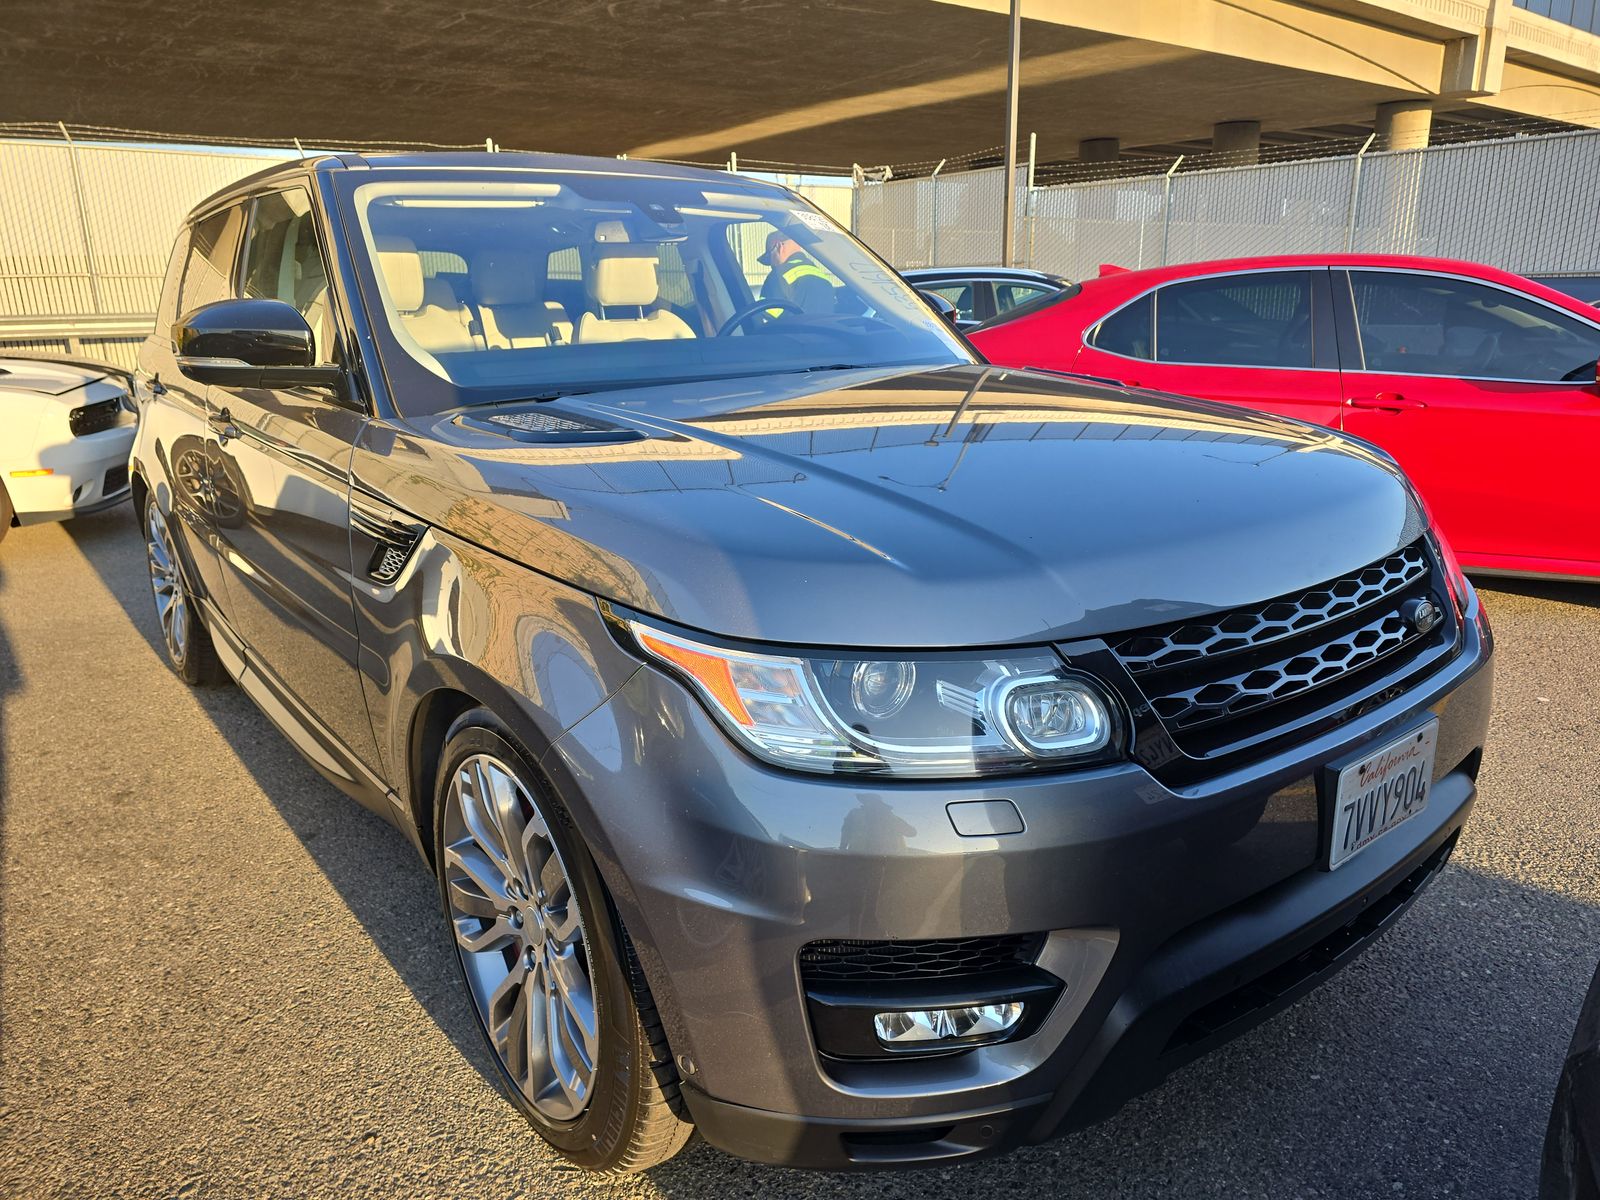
[821,738]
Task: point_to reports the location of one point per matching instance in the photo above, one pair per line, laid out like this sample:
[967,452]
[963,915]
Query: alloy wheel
[519,932]
[172,602]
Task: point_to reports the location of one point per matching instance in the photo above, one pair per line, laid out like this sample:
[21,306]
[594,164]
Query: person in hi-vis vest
[794,277]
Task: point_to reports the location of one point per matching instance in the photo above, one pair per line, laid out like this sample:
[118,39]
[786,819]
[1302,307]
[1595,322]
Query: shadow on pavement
[10,684]
[374,869]
[1426,1067]
[1586,595]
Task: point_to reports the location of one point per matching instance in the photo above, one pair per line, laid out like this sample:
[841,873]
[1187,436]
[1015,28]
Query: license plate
[1383,790]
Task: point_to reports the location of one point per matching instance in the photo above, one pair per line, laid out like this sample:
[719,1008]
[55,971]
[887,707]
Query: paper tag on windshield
[814,220]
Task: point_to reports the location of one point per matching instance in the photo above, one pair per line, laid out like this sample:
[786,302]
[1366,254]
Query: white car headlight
[951,715]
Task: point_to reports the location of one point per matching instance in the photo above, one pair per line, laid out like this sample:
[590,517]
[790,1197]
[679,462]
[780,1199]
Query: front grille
[1234,674]
[94,418]
[931,958]
[116,480]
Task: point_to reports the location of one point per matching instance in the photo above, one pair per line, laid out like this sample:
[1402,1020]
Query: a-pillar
[1403,124]
[1239,140]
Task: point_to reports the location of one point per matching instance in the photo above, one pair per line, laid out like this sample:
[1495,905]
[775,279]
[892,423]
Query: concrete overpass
[802,81]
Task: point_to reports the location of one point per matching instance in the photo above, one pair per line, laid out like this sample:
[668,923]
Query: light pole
[1008,237]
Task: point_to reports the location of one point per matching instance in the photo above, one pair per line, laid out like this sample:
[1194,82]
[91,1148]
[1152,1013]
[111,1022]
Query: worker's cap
[774,239]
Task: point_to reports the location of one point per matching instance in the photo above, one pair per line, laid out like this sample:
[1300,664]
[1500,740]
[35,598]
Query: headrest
[508,277]
[625,276]
[437,293]
[402,271]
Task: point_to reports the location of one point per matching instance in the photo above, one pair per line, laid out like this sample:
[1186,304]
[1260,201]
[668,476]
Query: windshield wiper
[539,397]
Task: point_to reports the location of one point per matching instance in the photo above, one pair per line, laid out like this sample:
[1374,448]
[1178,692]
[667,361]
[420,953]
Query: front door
[1487,398]
[1259,339]
[285,454]
[201,271]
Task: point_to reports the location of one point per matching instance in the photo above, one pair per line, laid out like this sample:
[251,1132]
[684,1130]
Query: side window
[1261,320]
[1008,295]
[962,295]
[1431,325]
[208,269]
[282,261]
[1128,331]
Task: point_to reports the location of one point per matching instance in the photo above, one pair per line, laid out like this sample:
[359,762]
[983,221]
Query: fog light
[922,1027]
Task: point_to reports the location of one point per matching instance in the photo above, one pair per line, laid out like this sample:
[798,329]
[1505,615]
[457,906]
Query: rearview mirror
[940,305]
[251,344]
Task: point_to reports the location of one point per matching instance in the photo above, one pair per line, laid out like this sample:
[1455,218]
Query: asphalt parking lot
[220,978]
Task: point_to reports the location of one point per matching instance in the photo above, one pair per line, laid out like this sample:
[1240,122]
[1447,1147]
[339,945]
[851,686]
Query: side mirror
[251,344]
[940,305]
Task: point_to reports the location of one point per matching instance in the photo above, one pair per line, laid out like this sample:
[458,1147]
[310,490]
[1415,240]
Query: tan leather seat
[433,326]
[509,287]
[623,282]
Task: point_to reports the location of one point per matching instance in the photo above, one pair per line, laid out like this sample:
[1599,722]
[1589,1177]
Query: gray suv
[821,738]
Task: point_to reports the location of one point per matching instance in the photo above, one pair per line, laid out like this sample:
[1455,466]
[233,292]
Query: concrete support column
[1404,124]
[1100,149]
[1239,140]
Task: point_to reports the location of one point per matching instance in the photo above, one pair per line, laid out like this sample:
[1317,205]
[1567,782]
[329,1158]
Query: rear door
[286,454]
[1487,398]
[1260,339]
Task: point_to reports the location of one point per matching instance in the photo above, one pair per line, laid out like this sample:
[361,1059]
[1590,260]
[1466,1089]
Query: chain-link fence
[1527,204]
[85,231]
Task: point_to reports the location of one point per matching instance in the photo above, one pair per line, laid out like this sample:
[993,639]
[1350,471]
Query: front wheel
[188,644]
[557,993]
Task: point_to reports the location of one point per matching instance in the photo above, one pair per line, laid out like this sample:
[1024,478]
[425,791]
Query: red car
[1481,383]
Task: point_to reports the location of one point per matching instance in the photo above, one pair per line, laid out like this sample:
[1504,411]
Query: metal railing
[1526,203]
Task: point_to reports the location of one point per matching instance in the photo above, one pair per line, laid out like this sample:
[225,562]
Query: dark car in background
[866,755]
[979,294]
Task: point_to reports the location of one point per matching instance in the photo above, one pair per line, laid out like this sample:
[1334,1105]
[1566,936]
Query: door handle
[222,425]
[1385,402]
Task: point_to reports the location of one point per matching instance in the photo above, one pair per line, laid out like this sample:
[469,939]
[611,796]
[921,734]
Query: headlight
[938,715]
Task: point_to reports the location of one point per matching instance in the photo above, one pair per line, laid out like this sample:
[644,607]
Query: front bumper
[88,474]
[1176,918]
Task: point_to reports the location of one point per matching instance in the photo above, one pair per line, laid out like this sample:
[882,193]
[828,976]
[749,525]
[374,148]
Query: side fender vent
[393,539]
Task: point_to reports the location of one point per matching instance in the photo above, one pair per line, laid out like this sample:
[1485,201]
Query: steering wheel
[755,308]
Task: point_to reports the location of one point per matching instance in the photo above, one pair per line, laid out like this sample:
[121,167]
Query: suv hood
[966,506]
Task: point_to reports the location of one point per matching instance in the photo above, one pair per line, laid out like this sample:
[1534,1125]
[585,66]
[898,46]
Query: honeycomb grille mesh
[933,958]
[1214,682]
[389,564]
[1246,628]
[541,422]
[1224,698]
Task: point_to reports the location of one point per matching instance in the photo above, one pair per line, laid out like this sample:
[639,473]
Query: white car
[65,433]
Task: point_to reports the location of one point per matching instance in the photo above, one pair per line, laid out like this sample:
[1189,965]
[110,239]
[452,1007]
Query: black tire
[634,1118]
[191,656]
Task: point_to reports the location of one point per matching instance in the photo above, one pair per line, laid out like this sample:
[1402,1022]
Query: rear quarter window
[1128,331]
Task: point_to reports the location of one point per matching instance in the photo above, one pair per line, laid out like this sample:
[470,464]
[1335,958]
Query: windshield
[522,283]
